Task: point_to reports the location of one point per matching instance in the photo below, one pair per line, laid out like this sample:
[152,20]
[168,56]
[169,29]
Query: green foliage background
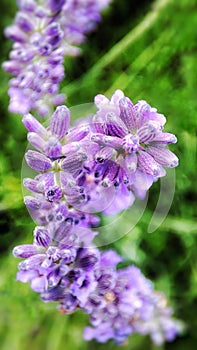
[149,50]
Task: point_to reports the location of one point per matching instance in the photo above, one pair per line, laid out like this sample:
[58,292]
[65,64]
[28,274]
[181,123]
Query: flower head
[132,143]
[125,303]
[44,32]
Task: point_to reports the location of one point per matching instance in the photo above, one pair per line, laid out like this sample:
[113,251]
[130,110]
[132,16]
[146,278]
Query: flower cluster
[125,303]
[100,164]
[120,302]
[44,33]
[135,133]
[129,152]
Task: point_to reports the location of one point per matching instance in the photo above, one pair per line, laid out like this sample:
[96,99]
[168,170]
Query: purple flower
[132,146]
[57,267]
[43,35]
[54,141]
[94,166]
[54,193]
[119,302]
[125,303]
[55,256]
[100,171]
[59,162]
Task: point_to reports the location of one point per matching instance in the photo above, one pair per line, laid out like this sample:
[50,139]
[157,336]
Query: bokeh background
[149,50]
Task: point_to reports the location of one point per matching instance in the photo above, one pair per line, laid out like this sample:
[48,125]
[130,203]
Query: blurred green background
[149,50]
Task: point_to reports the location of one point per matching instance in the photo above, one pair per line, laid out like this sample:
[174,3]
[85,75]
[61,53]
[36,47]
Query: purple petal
[148,165]
[55,5]
[117,96]
[122,200]
[27,5]
[101,334]
[110,173]
[165,138]
[19,100]
[26,276]
[163,156]
[15,33]
[61,212]
[24,22]
[110,259]
[78,133]
[32,262]
[33,125]
[36,141]
[41,236]
[52,29]
[70,148]
[128,113]
[111,141]
[54,194]
[37,161]
[131,162]
[104,154]
[115,126]
[73,163]
[60,121]
[31,185]
[53,278]
[130,143]
[13,67]
[146,113]
[25,251]
[140,183]
[87,262]
[32,202]
[100,100]
[39,284]
[53,148]
[149,131]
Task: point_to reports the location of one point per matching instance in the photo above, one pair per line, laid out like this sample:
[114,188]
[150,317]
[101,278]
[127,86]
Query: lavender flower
[43,33]
[65,163]
[99,171]
[58,162]
[125,303]
[56,265]
[81,169]
[100,165]
[125,153]
[136,133]
[36,60]
[132,146]
[120,302]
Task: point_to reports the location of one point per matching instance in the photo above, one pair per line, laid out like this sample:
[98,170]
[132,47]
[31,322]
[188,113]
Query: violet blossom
[120,302]
[126,152]
[58,161]
[44,33]
[95,166]
[65,160]
[56,264]
[136,133]
[125,303]
[132,150]
[81,169]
